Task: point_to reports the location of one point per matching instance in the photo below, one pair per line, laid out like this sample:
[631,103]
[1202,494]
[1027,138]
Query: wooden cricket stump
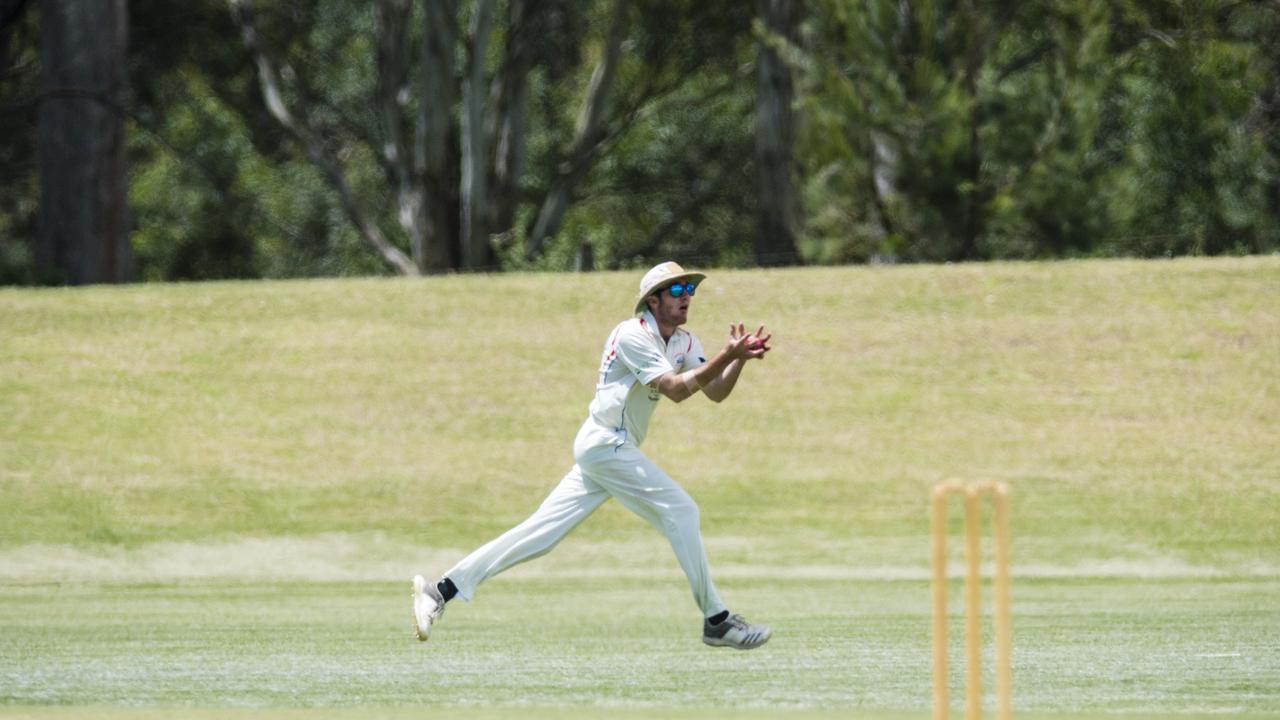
[972,493]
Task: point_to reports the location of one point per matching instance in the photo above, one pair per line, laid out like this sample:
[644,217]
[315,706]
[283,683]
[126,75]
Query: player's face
[671,311]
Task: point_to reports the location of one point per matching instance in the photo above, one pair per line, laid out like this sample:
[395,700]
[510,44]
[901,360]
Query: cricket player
[645,358]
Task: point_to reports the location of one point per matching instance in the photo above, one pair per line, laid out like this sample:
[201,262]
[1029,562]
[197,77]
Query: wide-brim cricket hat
[659,275]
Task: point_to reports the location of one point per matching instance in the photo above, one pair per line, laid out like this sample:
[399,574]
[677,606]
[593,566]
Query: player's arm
[721,385]
[741,347]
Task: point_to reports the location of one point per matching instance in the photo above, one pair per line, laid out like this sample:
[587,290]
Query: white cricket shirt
[634,356]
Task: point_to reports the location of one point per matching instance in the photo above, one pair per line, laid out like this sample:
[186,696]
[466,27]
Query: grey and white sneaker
[735,632]
[428,606]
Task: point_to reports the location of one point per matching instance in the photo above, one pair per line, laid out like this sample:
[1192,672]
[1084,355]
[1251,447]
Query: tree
[956,130]
[589,134]
[777,206]
[310,136]
[914,114]
[84,226]
[416,136]
[667,173]
[1196,168]
[456,169]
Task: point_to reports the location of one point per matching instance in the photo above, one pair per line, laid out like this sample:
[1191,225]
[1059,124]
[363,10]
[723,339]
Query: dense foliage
[930,130]
[1042,129]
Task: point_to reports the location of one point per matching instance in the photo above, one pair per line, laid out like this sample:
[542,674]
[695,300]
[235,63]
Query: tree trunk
[391,32]
[11,12]
[975,200]
[586,259]
[84,224]
[436,148]
[505,128]
[476,252]
[1269,106]
[777,206]
[882,180]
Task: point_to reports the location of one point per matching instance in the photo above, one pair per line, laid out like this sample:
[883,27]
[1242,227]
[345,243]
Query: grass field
[212,495]
[583,646]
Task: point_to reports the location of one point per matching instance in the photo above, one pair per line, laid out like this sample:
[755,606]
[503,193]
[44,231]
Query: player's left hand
[757,342]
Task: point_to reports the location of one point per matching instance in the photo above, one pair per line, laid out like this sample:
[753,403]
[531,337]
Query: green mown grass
[587,647]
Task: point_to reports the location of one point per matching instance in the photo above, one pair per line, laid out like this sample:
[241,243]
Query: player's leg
[569,504]
[646,490]
[565,508]
[643,488]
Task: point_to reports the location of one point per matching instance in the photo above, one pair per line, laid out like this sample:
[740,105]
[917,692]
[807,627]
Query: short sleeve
[641,354]
[694,357]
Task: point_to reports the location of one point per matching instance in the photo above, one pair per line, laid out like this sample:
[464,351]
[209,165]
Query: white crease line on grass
[342,557]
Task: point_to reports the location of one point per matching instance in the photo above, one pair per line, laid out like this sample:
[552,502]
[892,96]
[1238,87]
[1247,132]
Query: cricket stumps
[972,494]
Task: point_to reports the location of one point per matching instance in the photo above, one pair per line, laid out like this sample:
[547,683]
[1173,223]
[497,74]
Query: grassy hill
[1132,407]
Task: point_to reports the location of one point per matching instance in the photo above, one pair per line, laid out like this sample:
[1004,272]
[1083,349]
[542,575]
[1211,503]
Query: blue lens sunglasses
[678,289]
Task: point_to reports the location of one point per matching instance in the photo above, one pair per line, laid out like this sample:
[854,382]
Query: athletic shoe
[735,632]
[428,606]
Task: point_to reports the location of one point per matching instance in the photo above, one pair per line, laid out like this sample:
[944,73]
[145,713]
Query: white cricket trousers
[601,472]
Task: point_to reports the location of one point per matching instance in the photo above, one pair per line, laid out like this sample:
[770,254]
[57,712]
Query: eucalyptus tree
[442,110]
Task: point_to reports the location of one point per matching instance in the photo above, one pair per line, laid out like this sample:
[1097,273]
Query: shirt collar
[650,324]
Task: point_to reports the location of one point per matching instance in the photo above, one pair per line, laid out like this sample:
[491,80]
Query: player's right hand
[746,346]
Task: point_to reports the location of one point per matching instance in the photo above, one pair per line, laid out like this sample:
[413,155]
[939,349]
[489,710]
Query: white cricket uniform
[610,464]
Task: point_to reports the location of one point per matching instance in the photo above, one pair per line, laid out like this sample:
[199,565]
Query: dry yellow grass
[1131,405]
